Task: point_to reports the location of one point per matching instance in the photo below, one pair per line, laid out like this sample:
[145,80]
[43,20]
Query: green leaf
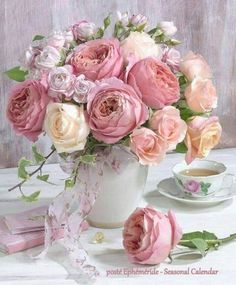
[141,27]
[31,198]
[22,164]
[16,74]
[172,42]
[196,234]
[69,183]
[201,245]
[181,148]
[88,158]
[208,236]
[43,177]
[37,156]
[99,34]
[107,22]
[38,38]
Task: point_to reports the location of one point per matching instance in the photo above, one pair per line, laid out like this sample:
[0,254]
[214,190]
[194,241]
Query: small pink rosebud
[138,20]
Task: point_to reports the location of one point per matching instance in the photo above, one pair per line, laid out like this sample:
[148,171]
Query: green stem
[32,173]
[184,242]
[229,238]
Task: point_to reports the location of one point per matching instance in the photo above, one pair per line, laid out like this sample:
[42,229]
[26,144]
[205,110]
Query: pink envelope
[10,243]
[28,221]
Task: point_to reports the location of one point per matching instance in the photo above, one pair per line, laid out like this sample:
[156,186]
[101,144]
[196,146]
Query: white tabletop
[109,256]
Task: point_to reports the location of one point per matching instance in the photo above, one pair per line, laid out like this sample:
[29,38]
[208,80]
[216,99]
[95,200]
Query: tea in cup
[201,178]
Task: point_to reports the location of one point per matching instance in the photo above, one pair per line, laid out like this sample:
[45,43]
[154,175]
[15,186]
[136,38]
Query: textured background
[205,26]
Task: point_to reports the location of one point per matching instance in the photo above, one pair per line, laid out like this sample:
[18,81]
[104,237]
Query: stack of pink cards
[22,230]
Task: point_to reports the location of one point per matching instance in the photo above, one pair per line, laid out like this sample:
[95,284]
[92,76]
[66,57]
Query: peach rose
[203,134]
[149,235]
[168,124]
[201,95]
[193,65]
[154,81]
[65,124]
[148,146]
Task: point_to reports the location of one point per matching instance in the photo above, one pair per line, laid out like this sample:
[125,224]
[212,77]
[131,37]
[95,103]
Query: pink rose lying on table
[203,134]
[97,59]
[194,65]
[26,108]
[154,81]
[149,235]
[148,146]
[114,110]
[168,124]
[201,95]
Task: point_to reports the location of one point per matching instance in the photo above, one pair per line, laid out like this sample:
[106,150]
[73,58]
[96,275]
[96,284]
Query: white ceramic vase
[119,196]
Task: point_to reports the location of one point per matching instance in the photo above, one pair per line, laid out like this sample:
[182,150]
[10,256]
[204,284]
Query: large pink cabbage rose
[149,235]
[154,81]
[97,59]
[26,108]
[114,110]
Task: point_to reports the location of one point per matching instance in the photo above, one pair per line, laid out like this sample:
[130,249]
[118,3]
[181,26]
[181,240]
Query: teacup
[201,178]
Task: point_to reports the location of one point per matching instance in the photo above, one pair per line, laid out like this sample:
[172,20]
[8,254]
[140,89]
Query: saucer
[168,188]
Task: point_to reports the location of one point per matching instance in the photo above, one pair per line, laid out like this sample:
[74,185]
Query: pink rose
[148,146]
[193,65]
[26,108]
[201,95]
[155,82]
[114,110]
[168,124]
[171,57]
[83,30]
[203,134]
[97,59]
[149,235]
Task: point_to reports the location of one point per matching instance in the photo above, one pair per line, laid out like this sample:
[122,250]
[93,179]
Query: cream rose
[201,95]
[140,45]
[203,134]
[65,124]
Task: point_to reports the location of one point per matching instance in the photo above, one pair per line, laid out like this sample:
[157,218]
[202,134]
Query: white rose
[48,58]
[61,81]
[81,89]
[28,58]
[65,124]
[168,28]
[140,45]
[57,40]
[123,18]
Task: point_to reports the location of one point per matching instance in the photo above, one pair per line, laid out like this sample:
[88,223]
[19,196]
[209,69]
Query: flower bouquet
[132,92]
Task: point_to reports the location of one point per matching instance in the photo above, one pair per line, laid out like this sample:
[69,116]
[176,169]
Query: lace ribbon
[71,207]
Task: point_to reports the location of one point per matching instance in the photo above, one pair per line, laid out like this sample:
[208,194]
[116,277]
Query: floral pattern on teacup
[193,186]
